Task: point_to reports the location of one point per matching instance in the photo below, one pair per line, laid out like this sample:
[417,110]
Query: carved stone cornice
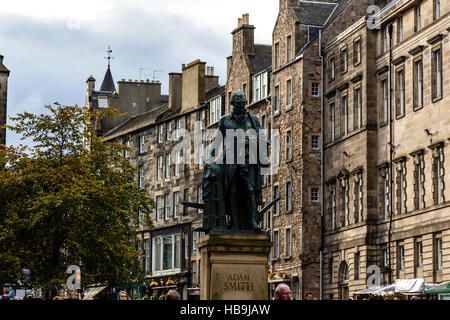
[435,39]
[357,78]
[417,153]
[416,50]
[436,145]
[399,60]
[382,70]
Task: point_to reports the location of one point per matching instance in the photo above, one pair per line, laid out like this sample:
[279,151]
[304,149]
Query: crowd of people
[283,292]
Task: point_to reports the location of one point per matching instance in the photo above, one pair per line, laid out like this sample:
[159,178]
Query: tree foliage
[72,199]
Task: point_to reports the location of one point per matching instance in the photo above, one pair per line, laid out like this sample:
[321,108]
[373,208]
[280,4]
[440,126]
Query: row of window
[287,245]
[344,273]
[417,86]
[344,57]
[418,25]
[163,208]
[344,123]
[339,203]
[314,197]
[400,97]
[168,166]
[289,52]
[418,178]
[315,93]
[169,131]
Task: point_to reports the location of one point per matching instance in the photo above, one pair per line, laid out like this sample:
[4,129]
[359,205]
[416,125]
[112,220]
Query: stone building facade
[296,118]
[322,90]
[4,74]
[385,149]
[249,70]
[195,101]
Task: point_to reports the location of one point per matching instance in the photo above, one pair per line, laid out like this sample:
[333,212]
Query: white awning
[91,292]
[410,286]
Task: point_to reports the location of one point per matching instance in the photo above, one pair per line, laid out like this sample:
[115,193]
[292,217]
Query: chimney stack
[193,85]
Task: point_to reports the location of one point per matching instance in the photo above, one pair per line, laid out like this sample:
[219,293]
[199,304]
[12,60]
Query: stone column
[234,266]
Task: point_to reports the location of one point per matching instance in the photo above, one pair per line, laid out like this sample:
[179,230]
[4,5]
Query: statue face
[238,100]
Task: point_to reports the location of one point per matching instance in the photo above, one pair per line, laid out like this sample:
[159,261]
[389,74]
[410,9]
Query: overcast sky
[52,46]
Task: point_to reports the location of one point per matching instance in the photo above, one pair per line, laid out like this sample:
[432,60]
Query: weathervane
[109,51]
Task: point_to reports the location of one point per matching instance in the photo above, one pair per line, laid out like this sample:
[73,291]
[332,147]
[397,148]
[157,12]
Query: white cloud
[218,15]
[33,103]
[52,46]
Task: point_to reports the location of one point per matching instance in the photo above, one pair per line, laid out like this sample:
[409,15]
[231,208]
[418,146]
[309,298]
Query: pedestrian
[283,292]
[308,295]
[172,295]
[123,295]
[5,295]
[11,293]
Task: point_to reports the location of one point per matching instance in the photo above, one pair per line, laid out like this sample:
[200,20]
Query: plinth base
[234,266]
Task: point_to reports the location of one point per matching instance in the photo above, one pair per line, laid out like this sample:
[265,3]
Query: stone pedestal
[234,266]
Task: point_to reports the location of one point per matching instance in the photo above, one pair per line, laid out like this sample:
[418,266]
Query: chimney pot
[245,18]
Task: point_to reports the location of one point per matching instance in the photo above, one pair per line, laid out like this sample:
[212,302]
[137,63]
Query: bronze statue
[232,184]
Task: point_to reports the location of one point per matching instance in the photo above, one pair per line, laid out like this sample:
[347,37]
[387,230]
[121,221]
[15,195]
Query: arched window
[344,272]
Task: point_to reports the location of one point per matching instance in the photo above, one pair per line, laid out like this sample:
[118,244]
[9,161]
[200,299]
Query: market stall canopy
[370,290]
[91,292]
[410,286]
[440,288]
[378,290]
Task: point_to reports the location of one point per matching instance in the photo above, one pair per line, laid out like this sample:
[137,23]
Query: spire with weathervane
[108,82]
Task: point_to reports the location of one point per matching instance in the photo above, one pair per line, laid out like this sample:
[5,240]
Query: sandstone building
[4,74]
[386,130]
[361,118]
[195,101]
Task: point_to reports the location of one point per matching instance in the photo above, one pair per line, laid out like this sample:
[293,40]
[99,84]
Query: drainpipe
[322,188]
[391,151]
[271,169]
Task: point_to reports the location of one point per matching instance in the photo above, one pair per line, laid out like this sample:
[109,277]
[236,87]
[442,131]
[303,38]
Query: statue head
[238,101]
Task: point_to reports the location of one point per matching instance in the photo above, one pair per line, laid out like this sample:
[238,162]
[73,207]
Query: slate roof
[314,13]
[342,4]
[108,82]
[137,121]
[262,59]
[214,92]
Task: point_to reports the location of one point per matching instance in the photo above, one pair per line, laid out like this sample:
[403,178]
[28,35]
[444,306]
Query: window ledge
[437,99]
[289,107]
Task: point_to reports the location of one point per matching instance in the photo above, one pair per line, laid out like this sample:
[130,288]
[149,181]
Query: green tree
[72,199]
